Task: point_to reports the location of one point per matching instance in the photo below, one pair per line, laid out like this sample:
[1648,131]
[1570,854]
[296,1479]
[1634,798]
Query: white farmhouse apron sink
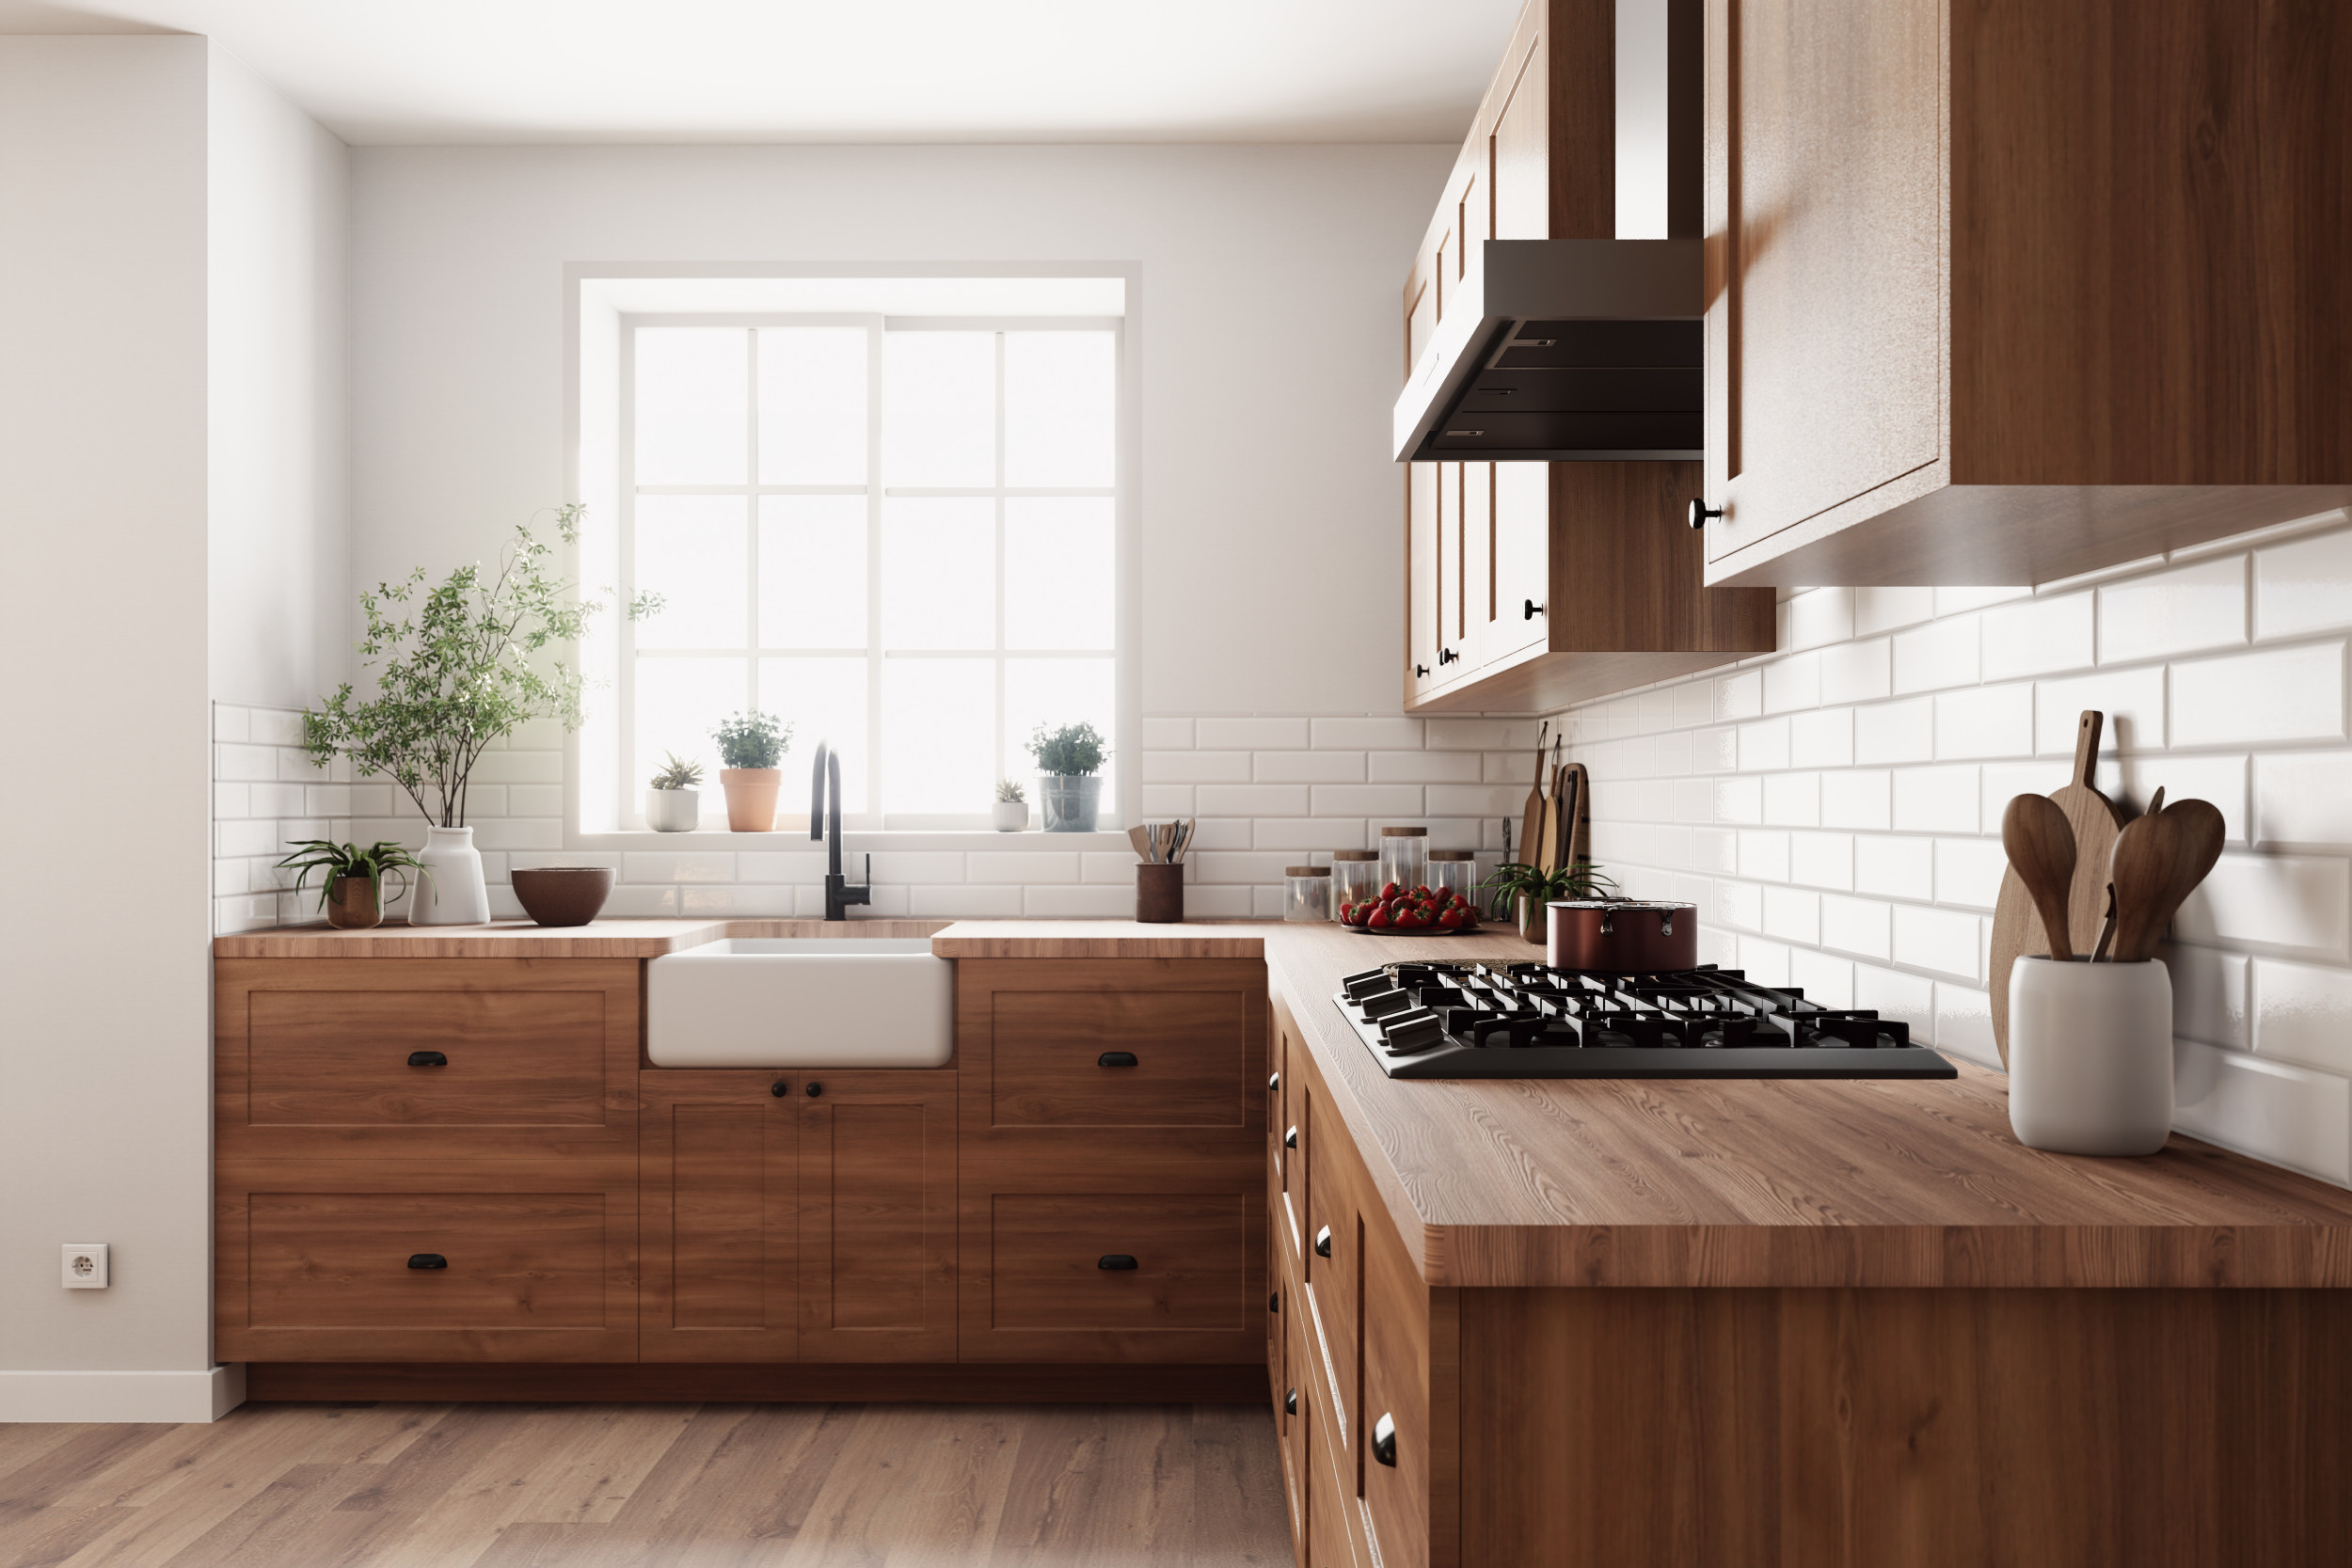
[810,1002]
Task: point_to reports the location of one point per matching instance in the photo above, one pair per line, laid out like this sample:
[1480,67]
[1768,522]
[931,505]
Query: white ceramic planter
[1009,816]
[2090,1056]
[674,811]
[454,894]
[1067,801]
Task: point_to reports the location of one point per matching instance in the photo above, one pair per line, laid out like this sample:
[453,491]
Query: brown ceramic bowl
[563,895]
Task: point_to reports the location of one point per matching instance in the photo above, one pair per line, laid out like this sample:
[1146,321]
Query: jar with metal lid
[1405,857]
[1355,878]
[1455,871]
[1306,893]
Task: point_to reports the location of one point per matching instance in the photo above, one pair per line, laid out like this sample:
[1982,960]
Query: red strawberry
[1390,892]
[1450,920]
[1379,921]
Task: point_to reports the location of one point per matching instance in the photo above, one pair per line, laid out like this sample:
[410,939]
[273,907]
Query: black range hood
[1563,351]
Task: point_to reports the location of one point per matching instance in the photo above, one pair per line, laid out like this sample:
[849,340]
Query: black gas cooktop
[1530,1020]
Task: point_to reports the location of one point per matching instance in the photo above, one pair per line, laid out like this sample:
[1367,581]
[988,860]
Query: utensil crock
[1159,894]
[2091,1056]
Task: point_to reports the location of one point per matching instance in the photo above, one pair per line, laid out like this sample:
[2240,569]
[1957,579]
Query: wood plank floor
[651,1486]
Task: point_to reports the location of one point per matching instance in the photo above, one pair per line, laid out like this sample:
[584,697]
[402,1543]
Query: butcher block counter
[650,938]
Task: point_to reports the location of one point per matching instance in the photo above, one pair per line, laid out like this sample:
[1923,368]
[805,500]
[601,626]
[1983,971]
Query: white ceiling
[847,70]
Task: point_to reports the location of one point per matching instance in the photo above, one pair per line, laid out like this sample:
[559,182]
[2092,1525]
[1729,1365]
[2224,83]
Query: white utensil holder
[2091,1056]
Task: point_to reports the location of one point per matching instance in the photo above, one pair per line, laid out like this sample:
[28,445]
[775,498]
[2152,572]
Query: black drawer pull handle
[1323,1243]
[1273,1302]
[1290,1402]
[1274,1082]
[779,1089]
[1117,1261]
[1384,1441]
[1116,1058]
[427,1058]
[1289,1139]
[427,1260]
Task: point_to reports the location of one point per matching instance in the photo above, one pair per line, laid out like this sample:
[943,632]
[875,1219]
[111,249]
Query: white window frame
[898,830]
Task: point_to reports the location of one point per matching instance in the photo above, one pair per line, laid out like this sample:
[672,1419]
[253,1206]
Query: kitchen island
[1778,1322]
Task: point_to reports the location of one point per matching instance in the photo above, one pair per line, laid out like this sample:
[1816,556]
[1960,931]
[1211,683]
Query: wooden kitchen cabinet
[878,1216]
[719,1168]
[2008,292]
[1534,585]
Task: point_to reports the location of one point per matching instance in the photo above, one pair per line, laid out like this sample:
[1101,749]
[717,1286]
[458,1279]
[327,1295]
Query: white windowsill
[854,841]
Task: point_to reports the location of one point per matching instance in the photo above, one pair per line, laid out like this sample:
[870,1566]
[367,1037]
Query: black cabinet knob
[1274,1082]
[1533,610]
[1116,1058]
[1290,1402]
[427,1058]
[1447,655]
[1384,1441]
[1701,512]
[1289,1139]
[427,1260]
[779,1089]
[1117,1261]
[816,1089]
[1323,1243]
[1420,669]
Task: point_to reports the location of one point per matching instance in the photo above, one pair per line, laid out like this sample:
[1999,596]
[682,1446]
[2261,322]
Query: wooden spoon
[2106,931]
[2159,859]
[2041,846]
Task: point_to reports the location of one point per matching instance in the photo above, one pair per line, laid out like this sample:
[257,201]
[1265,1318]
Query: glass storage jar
[1355,878]
[1405,857]
[1306,893]
[1455,871]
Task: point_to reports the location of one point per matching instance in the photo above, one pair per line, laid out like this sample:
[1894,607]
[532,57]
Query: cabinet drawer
[456,1273]
[1165,1059]
[1044,1275]
[433,1059]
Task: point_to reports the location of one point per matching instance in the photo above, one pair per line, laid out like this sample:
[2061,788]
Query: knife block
[1159,894]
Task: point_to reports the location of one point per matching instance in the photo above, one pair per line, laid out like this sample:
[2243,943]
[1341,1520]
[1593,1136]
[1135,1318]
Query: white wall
[104,1070]
[1267,322]
[1834,810]
[277,279]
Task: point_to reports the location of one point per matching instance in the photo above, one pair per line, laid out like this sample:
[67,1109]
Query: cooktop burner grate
[1438,1020]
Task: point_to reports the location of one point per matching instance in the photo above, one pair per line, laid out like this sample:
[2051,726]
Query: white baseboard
[173,1397]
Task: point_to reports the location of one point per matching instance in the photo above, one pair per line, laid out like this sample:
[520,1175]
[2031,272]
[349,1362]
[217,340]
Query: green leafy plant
[458,667]
[751,741]
[334,861]
[1009,791]
[676,774]
[1513,880]
[1073,748]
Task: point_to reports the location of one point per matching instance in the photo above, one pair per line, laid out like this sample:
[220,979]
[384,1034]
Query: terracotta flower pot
[750,798]
[353,903]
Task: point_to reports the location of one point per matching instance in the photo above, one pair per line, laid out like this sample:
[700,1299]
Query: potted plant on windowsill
[1522,892]
[351,880]
[674,804]
[458,668]
[1010,814]
[750,746]
[1069,793]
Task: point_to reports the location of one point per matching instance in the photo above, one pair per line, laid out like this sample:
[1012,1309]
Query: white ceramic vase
[453,894]
[2091,1056]
[674,811]
[1009,816]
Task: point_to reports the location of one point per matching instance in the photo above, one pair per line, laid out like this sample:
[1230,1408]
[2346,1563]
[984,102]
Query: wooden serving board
[2016,926]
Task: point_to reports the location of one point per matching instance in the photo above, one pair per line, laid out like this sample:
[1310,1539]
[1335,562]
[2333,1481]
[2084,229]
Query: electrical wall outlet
[86,1265]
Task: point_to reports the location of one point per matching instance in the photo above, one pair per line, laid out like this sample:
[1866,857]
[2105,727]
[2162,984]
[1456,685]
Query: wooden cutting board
[1576,831]
[1547,850]
[1532,829]
[2016,926]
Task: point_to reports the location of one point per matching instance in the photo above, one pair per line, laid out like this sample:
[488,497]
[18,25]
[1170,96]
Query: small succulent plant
[1009,791]
[678,775]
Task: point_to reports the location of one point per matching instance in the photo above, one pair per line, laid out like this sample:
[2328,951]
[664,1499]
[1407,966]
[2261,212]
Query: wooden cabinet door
[1518,154]
[1477,564]
[1521,530]
[1825,239]
[719,1174]
[1421,588]
[878,1216]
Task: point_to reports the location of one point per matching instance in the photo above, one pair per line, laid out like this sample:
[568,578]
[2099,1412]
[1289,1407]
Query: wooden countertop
[1779,1182]
[649,939]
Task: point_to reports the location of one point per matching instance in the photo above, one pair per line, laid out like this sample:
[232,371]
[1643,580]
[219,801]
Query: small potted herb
[1010,814]
[351,885]
[674,804]
[1069,793]
[1522,891]
[750,746]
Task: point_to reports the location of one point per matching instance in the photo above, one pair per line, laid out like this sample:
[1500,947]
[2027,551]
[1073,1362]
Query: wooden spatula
[2159,859]
[1532,829]
[2041,846]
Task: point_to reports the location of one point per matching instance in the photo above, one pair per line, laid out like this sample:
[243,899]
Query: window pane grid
[922,744]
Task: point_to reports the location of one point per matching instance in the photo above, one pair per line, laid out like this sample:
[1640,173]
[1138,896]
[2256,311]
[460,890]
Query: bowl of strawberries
[1417,911]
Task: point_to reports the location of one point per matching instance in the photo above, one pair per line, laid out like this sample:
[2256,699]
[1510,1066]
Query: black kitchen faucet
[824,822]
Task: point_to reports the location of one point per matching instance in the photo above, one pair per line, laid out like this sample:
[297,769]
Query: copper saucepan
[1622,935]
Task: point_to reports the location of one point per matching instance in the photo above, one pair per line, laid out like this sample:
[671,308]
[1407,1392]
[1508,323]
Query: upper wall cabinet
[1532,585]
[2007,291]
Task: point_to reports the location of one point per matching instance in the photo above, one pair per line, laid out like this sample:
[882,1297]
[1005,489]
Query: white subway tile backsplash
[1826,980]
[2279,1111]
[1820,617]
[2133,701]
[2183,611]
[1250,734]
[1196,766]
[1764,746]
[1935,800]
[1021,867]
[2040,637]
[1253,799]
[1862,797]
[1715,751]
[1943,941]
[705,867]
[2295,904]
[2209,1000]
[2301,1014]
[2301,587]
[1764,856]
[1941,654]
[1894,732]
[1739,905]
[1792,799]
[1894,867]
[1167,735]
[737,902]
[1740,696]
[2280,695]
[2219,780]
[967,902]
[1824,738]
[2303,798]
[1306,833]
[1474,800]
[1984,722]
[1821,859]
[519,768]
[1167,799]
[1441,768]
[1858,925]
[1968,872]
[1081,903]
[1322,767]
[1792,914]
[1963,1023]
[1365,735]
[1791,683]
[1858,672]
[1878,609]
[1740,799]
